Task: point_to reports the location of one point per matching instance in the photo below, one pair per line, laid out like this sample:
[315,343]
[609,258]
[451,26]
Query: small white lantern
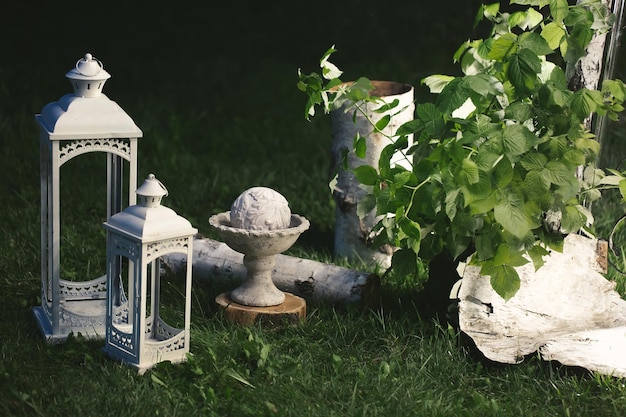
[136,332]
[79,123]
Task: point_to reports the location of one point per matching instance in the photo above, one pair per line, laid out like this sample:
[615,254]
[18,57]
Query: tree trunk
[351,232]
[598,64]
[214,261]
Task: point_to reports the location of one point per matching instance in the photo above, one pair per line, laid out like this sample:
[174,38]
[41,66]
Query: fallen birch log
[214,261]
[567,311]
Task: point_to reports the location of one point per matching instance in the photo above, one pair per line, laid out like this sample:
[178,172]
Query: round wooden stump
[290,311]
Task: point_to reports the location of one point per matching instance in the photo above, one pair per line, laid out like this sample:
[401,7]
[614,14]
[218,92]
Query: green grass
[376,363]
[216,99]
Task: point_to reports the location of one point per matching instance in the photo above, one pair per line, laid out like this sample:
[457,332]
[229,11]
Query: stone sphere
[260,208]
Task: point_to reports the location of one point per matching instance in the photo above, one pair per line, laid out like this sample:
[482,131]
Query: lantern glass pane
[121,288]
[83,207]
[171,298]
[82,211]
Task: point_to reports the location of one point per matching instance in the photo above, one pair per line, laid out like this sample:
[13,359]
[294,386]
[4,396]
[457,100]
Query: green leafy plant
[503,165]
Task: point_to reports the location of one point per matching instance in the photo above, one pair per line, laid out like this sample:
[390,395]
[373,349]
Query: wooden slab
[291,311]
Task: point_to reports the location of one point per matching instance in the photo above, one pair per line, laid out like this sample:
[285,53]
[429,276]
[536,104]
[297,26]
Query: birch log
[214,261]
[566,311]
[351,232]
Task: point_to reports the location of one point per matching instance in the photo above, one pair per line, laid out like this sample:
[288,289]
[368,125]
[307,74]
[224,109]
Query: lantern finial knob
[88,76]
[151,192]
[89,66]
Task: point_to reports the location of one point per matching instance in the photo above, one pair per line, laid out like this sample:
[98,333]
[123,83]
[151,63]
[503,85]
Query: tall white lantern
[79,123]
[136,330]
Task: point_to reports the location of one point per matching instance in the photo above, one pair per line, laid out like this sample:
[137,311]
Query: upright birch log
[351,232]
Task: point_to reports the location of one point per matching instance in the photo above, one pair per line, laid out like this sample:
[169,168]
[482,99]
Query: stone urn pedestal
[260,229]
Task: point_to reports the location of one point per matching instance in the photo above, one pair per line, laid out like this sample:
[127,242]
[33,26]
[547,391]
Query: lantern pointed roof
[87,113]
[150,221]
[75,117]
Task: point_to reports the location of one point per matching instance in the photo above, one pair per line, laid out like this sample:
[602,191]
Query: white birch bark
[567,311]
[214,261]
[351,232]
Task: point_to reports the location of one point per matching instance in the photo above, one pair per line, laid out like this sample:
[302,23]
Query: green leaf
[536,254]
[478,191]
[553,33]
[560,98]
[401,178]
[484,85]
[436,83]
[490,10]
[526,19]
[538,3]
[519,110]
[511,214]
[359,90]
[585,101]
[572,220]
[360,146]
[615,89]
[505,281]
[590,145]
[365,205]
[502,47]
[536,185]
[485,246]
[557,173]
[411,228]
[622,189]
[534,42]
[329,70]
[483,205]
[523,68]
[612,180]
[487,161]
[452,97]
[383,122]
[469,172]
[503,173]
[451,203]
[559,10]
[404,262]
[431,117]
[387,106]
[534,161]
[507,256]
[411,127]
[516,139]
[366,175]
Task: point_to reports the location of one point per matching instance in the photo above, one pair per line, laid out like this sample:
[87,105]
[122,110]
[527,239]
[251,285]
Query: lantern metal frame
[80,123]
[139,236]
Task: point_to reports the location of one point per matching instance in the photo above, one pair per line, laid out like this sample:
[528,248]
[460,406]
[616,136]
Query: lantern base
[92,312]
[290,311]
